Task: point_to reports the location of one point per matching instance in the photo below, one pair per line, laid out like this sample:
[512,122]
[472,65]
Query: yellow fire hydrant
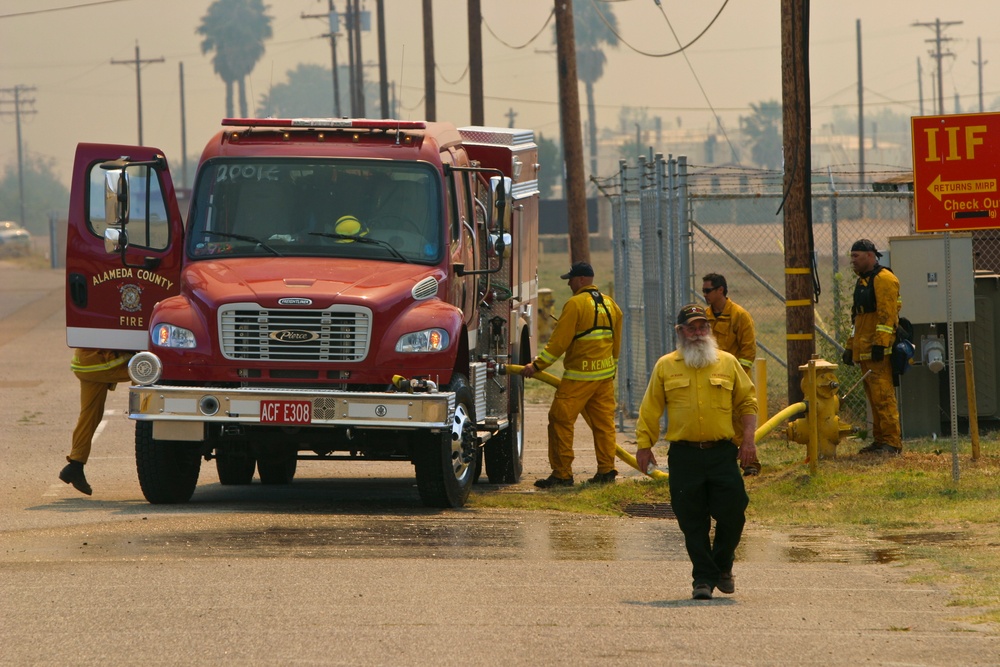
[821,383]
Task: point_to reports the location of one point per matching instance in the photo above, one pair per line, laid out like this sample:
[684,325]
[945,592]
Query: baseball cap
[691,312]
[865,245]
[578,269]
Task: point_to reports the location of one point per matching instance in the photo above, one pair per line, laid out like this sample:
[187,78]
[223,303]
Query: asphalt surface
[344,567]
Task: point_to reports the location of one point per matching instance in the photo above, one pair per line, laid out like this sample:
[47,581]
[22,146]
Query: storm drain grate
[650,510]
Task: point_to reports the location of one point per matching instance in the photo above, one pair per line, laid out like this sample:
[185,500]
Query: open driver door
[124,245]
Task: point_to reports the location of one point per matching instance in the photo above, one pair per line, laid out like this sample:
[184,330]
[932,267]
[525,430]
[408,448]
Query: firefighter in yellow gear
[99,372]
[735,333]
[589,332]
[874,318]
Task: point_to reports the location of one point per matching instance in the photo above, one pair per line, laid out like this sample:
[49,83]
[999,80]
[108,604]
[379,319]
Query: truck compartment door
[108,301]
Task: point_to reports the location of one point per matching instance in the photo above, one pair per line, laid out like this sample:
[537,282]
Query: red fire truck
[341,290]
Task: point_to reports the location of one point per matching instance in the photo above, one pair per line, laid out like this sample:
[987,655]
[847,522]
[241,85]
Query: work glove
[847,357]
[878,353]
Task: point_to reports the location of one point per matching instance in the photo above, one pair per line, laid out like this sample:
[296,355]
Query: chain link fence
[674,222]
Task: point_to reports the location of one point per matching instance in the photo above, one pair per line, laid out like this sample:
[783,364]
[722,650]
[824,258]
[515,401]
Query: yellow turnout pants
[94,387]
[882,398]
[596,400]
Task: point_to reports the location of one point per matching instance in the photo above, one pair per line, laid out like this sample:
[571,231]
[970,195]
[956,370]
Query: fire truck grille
[338,334]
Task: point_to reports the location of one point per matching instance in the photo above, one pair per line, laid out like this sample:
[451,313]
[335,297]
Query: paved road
[344,567]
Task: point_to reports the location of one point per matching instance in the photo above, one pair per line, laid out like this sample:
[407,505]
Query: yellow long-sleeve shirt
[700,402]
[735,333]
[585,335]
[875,313]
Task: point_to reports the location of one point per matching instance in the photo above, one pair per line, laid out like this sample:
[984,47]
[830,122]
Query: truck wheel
[446,462]
[234,464]
[277,467]
[505,451]
[168,470]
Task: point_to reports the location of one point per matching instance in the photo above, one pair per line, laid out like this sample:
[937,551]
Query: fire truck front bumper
[291,407]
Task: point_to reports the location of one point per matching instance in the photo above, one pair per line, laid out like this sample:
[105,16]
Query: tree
[235,30]
[43,194]
[550,172]
[763,129]
[306,93]
[591,32]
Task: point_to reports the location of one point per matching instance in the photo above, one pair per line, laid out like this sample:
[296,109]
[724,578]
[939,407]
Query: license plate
[285,412]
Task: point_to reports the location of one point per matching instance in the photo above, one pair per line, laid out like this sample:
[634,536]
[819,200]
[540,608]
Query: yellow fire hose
[549,378]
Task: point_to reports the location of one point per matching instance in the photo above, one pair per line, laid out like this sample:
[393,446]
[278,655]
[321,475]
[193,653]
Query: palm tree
[591,32]
[235,30]
[763,129]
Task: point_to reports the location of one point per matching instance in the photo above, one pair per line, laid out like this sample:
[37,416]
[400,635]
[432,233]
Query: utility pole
[800,326]
[334,21]
[861,117]
[477,111]
[352,74]
[138,63]
[18,102]
[383,73]
[572,133]
[358,62]
[938,55]
[920,85]
[184,150]
[979,66]
[430,94]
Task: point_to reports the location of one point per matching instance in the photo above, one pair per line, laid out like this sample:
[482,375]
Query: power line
[528,43]
[718,121]
[669,53]
[61,9]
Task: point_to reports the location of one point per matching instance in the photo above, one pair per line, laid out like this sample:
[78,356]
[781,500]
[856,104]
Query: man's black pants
[707,484]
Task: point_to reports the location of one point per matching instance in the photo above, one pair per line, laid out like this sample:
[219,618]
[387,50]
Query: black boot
[73,474]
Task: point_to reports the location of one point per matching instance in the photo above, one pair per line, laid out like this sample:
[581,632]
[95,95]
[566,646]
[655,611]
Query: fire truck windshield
[376,210]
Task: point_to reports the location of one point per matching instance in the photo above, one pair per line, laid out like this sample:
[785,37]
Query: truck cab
[341,289]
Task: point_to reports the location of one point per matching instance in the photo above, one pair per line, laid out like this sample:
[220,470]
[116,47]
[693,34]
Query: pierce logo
[293,336]
[295,301]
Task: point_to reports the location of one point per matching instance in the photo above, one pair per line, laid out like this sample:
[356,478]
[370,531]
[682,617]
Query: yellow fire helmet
[348,225]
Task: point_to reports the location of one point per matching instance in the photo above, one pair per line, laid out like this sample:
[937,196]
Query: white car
[14,239]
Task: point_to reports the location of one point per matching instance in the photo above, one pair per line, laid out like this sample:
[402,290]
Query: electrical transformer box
[925,277]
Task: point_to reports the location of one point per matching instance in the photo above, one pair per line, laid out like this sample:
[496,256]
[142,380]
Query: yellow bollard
[970,399]
[760,385]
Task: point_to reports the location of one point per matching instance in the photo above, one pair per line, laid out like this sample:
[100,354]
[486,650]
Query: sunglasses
[706,290]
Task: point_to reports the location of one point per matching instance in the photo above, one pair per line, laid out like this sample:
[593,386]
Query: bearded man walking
[702,388]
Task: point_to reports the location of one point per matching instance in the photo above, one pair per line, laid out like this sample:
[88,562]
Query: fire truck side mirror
[113,240]
[501,188]
[116,196]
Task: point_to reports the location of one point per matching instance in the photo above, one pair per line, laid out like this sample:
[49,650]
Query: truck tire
[277,467]
[505,451]
[234,464]
[168,469]
[445,462]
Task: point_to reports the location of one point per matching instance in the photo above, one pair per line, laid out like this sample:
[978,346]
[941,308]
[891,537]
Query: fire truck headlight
[145,368]
[167,335]
[428,340]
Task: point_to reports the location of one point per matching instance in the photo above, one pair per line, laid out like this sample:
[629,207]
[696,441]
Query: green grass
[869,498]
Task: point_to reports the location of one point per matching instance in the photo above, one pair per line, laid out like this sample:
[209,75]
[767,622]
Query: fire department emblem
[131,294]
